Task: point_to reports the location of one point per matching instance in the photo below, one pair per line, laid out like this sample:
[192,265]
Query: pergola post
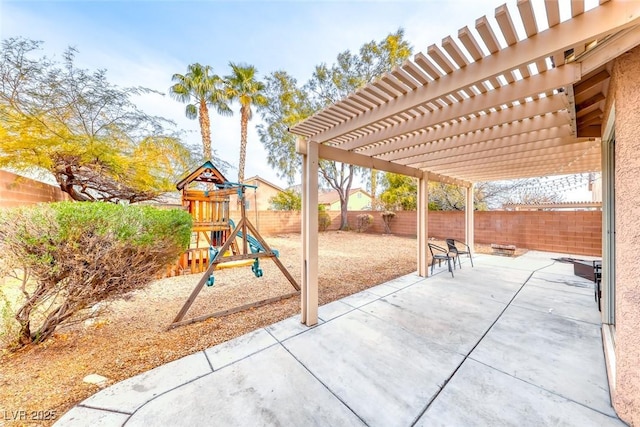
[309,294]
[469,217]
[422,228]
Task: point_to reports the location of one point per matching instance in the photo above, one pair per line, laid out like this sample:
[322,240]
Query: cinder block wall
[16,191]
[572,232]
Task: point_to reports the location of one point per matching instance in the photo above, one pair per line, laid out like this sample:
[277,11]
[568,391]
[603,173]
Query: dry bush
[364,221]
[75,255]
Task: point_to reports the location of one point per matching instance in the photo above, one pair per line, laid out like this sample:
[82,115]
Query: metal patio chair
[452,245]
[441,254]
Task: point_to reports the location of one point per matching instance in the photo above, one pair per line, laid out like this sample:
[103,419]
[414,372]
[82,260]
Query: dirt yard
[129,335]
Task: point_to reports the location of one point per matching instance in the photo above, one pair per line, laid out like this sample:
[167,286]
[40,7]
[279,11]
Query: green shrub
[78,254]
[324,220]
[287,200]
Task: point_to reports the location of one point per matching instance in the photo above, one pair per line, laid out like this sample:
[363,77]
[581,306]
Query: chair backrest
[437,248]
[451,243]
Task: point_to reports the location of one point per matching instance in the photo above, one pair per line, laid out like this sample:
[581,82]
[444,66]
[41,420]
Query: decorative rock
[96,379]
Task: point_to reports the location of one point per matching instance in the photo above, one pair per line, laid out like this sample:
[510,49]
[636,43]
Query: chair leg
[471,258]
[449,263]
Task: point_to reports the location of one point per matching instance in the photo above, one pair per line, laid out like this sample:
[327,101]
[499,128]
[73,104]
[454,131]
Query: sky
[143,43]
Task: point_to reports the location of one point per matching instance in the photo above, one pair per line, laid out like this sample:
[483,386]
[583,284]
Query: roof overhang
[471,110]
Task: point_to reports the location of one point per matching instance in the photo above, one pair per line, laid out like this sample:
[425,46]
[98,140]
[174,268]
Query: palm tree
[243,87]
[206,89]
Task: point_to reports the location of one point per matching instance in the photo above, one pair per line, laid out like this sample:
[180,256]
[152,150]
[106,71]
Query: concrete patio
[512,341]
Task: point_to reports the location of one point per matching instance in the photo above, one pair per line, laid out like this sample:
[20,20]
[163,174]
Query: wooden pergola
[475,108]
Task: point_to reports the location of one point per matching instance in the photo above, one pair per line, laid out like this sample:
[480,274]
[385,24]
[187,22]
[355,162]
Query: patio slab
[129,395]
[239,348]
[497,284]
[499,344]
[382,372]
[565,282]
[79,415]
[425,312]
[267,388]
[558,354]
[333,310]
[288,328]
[560,302]
[482,391]
[404,281]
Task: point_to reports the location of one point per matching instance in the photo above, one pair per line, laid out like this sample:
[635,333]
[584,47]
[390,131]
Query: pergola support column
[423,224]
[309,291]
[469,217]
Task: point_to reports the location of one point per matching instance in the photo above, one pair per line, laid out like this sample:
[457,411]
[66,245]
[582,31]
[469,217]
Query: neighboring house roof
[264,181]
[333,197]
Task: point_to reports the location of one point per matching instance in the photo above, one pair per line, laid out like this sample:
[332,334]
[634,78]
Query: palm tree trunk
[244,122]
[205,130]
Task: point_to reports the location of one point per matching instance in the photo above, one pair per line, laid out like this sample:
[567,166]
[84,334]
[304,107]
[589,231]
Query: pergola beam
[542,139]
[608,18]
[553,125]
[555,166]
[528,152]
[494,125]
[519,172]
[533,86]
[336,154]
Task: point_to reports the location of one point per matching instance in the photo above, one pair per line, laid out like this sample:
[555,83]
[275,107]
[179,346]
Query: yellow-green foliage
[85,131]
[324,220]
[287,200]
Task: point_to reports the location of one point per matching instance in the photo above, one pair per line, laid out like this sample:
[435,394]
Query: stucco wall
[625,87]
[357,201]
[259,198]
[16,191]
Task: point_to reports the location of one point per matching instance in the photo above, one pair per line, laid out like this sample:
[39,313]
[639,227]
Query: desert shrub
[387,216]
[364,221]
[78,254]
[324,220]
[287,200]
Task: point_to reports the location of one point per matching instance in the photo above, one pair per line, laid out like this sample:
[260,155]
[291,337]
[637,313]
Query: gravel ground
[130,335]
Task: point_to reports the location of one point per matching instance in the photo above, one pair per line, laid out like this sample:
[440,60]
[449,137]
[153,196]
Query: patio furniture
[597,278]
[451,243]
[441,254]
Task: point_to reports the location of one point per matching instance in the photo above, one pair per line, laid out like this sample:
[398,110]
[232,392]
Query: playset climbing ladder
[211,224]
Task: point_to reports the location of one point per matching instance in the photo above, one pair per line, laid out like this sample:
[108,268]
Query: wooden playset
[217,241]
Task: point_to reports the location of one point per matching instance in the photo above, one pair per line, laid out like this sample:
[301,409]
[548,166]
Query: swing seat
[236,263]
[231,264]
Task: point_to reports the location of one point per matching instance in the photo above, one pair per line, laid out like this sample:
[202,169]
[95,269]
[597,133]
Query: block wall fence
[16,190]
[572,232]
